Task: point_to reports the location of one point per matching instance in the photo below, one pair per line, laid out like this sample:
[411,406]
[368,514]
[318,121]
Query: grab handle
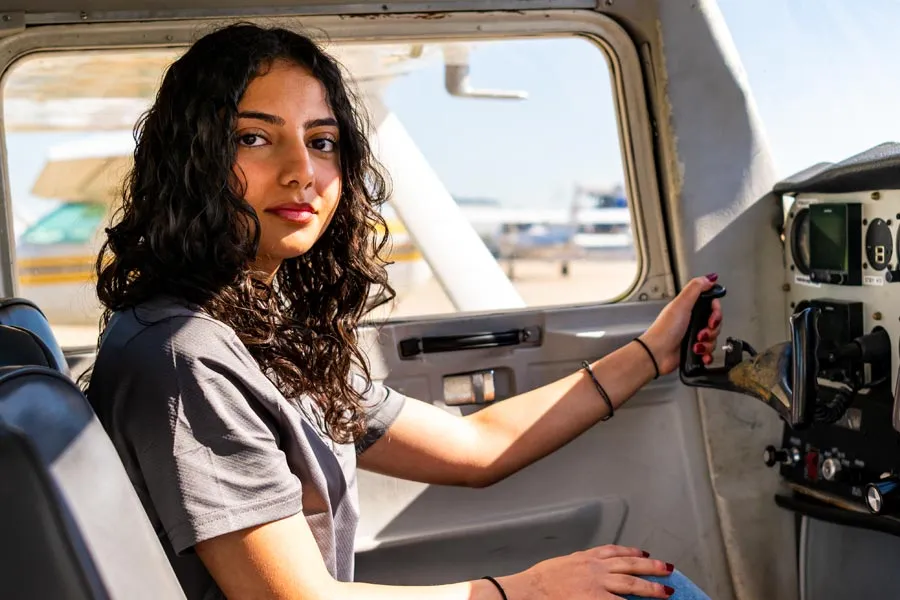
[411,347]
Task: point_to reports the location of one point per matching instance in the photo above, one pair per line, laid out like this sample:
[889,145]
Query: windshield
[823,74]
[71,223]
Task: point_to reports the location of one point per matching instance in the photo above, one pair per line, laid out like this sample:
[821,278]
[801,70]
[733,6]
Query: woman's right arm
[280,560]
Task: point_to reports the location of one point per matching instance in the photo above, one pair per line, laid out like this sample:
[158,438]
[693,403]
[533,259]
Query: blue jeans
[685,589]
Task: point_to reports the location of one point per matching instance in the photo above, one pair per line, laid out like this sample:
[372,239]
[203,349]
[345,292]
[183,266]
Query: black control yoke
[783,376]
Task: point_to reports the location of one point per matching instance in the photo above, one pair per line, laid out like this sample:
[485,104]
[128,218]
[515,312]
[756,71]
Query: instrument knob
[882,496]
[831,469]
[784,456]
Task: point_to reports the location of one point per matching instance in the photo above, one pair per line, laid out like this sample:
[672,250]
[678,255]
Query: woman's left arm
[428,444]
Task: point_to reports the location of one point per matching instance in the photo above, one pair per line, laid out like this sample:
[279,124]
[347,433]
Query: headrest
[25,314]
[20,347]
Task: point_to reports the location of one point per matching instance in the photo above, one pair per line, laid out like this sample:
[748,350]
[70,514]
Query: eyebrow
[276,120]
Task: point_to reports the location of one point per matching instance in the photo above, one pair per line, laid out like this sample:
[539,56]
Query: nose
[297,168]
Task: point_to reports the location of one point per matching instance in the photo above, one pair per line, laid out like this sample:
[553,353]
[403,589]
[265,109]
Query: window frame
[653,278]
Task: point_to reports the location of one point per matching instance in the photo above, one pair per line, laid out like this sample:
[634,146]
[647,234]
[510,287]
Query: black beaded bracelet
[587,367]
[650,354]
[499,587]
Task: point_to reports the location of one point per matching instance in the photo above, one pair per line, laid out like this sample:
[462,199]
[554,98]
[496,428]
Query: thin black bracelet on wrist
[499,587]
[587,367]
[650,354]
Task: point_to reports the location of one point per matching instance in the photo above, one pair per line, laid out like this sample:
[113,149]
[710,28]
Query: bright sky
[823,72]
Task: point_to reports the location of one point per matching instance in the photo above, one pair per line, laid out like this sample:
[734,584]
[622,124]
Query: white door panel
[639,479]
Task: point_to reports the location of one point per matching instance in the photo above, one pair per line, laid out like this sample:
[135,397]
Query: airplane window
[518,138]
[531,158]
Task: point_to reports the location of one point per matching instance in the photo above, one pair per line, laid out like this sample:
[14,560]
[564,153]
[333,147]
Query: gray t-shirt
[212,446]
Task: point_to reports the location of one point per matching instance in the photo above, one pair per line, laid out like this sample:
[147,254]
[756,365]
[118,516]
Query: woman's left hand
[665,335]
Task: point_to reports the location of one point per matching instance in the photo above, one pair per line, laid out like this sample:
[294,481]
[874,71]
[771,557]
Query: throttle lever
[691,369]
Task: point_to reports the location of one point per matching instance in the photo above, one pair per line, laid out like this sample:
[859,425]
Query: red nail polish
[698,348]
[716,323]
[645,553]
[703,337]
[712,276]
[669,590]
[670,567]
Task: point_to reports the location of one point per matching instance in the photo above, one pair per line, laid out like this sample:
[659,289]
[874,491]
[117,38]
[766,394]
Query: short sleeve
[206,444]
[382,406]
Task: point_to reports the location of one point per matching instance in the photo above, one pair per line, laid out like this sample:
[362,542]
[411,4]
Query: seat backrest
[23,313]
[71,524]
[19,347]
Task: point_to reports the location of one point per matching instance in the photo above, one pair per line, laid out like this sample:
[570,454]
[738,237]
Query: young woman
[228,374]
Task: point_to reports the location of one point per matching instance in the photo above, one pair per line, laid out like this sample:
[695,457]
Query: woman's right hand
[601,573]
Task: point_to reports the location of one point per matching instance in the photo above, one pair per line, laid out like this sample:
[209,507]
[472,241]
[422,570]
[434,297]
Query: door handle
[411,347]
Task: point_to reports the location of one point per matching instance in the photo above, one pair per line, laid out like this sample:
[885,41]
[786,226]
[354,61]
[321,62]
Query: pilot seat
[71,523]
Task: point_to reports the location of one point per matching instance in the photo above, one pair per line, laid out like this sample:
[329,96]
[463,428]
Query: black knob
[773,456]
[892,276]
[835,278]
[882,497]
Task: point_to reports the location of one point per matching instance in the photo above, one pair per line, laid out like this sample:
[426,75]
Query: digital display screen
[828,237]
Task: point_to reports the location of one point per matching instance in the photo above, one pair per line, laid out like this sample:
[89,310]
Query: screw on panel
[643,296]
[865,221]
[7,18]
[793,304]
[865,265]
[876,195]
[792,267]
[877,316]
[786,287]
[83,16]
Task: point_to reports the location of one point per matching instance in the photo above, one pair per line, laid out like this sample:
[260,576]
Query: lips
[295,213]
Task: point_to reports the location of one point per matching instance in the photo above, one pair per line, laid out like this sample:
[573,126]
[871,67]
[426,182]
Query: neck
[265,269]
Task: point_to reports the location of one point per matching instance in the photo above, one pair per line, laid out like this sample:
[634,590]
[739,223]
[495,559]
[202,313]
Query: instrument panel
[846,247]
[842,254]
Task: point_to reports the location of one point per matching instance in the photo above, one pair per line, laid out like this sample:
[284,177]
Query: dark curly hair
[184,228]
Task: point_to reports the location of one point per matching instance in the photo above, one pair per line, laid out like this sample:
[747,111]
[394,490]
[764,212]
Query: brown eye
[251,140]
[324,144]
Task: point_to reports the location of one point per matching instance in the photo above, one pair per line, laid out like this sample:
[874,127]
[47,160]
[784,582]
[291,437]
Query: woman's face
[288,158]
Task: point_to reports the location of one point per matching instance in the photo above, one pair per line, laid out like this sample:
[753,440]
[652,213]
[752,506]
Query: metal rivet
[643,296]
[877,316]
[876,195]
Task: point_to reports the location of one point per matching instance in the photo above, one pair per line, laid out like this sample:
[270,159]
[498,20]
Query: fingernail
[645,553]
[716,323]
[703,337]
[670,567]
[712,276]
[698,348]
[669,590]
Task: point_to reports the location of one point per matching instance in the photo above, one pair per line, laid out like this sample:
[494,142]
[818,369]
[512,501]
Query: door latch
[476,387]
